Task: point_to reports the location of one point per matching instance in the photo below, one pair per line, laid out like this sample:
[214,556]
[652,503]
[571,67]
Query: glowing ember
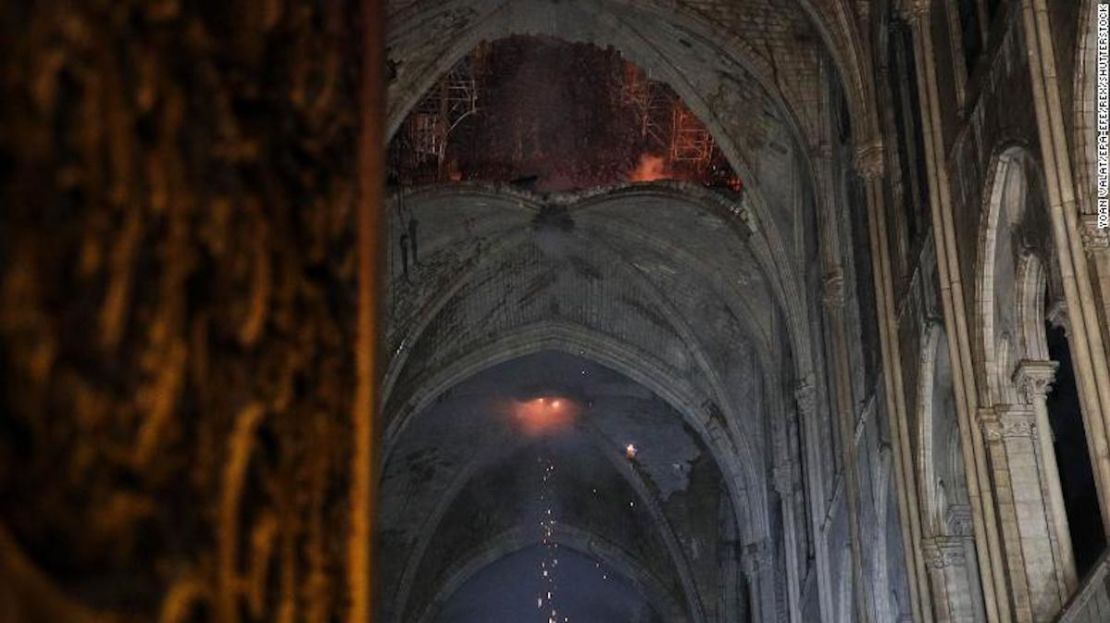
[630,451]
[547,526]
[544,415]
[651,168]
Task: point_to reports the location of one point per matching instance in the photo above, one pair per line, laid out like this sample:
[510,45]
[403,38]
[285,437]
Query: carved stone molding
[756,559]
[833,289]
[958,520]
[783,478]
[990,425]
[911,10]
[931,553]
[1094,238]
[1007,422]
[869,160]
[1034,379]
[944,552]
[1057,316]
[805,395]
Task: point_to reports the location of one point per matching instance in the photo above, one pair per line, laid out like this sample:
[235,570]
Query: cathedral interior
[553,311]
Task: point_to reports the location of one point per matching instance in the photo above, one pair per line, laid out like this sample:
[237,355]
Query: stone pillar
[760,575]
[937,561]
[786,487]
[1034,380]
[946,558]
[988,544]
[1096,243]
[959,524]
[833,300]
[1089,353]
[805,397]
[1029,541]
[870,165]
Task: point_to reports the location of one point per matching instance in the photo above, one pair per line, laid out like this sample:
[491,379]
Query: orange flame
[651,168]
[545,415]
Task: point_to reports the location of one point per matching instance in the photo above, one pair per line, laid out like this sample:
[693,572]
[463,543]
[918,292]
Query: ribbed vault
[666,288]
[701,299]
[635,311]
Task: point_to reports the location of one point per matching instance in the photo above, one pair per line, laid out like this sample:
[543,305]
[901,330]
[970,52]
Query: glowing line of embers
[550,560]
[551,547]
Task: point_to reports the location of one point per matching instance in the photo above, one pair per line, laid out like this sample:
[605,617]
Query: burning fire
[544,415]
[651,168]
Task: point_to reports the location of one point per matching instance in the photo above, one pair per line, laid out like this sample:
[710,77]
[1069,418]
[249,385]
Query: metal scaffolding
[651,103]
[448,103]
[690,141]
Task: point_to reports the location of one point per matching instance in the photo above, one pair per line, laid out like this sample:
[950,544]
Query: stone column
[759,573]
[940,557]
[1089,353]
[946,557]
[1096,243]
[960,526]
[870,164]
[938,583]
[988,544]
[1024,511]
[833,299]
[785,486]
[1034,379]
[805,397]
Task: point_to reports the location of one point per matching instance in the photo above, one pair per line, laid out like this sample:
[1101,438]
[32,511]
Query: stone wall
[988,129]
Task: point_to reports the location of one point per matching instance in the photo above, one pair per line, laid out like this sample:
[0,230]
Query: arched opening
[1076,475]
[1030,383]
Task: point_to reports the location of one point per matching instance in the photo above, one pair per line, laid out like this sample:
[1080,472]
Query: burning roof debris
[561,116]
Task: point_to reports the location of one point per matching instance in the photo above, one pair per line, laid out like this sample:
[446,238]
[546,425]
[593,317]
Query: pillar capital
[911,10]
[869,159]
[1007,422]
[1057,316]
[805,396]
[1094,238]
[832,293]
[755,559]
[783,478]
[958,520]
[921,8]
[1034,379]
[944,551]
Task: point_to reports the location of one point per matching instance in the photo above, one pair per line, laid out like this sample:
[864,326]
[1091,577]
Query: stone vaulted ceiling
[656,306]
[679,318]
[173,374]
[704,314]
